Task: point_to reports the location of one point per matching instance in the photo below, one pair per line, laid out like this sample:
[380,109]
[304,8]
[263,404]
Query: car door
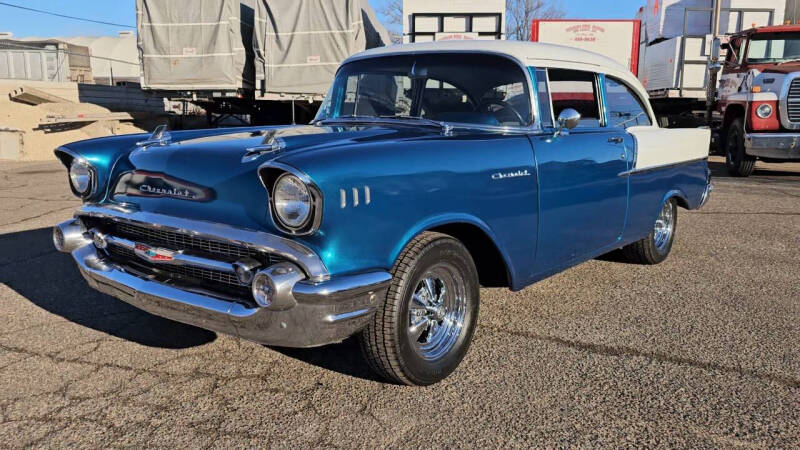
[583,199]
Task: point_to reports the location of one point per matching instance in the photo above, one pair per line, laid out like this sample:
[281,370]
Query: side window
[577,90]
[736,52]
[543,90]
[623,106]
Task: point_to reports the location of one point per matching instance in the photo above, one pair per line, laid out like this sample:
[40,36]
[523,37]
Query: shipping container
[616,39]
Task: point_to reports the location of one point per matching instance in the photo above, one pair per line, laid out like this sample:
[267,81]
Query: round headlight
[764,111]
[292,201]
[80,175]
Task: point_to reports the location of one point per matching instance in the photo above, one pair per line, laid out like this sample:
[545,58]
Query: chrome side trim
[660,166]
[292,251]
[179,258]
[783,109]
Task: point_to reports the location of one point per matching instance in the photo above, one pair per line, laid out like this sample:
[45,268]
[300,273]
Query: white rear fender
[666,146]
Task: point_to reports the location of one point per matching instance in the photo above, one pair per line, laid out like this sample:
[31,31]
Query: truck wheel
[423,330]
[739,163]
[656,246]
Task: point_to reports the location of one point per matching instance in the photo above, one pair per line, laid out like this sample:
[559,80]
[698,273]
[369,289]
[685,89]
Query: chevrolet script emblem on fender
[153,254]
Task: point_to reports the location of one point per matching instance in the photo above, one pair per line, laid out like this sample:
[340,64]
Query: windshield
[461,88]
[769,48]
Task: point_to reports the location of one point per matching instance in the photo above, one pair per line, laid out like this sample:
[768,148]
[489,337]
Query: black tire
[386,342]
[648,251]
[739,163]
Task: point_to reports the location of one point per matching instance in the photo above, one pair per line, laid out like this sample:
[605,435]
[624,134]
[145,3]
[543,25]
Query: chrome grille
[190,244]
[793,101]
[125,255]
[182,241]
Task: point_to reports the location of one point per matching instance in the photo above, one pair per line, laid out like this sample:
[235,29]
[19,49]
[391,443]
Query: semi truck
[734,67]
[270,59]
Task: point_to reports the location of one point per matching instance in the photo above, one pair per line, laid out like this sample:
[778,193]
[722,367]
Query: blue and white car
[430,170]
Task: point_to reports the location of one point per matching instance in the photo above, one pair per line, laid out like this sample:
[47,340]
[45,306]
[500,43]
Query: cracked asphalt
[700,351]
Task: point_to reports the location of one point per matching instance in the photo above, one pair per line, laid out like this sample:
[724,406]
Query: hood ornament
[270,144]
[160,136]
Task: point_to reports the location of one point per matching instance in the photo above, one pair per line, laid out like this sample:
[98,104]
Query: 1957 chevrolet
[430,170]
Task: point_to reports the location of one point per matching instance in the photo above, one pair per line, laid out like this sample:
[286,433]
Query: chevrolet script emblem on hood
[155,184]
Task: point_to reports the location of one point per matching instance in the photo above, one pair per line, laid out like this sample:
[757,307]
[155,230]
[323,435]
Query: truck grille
[167,238]
[793,101]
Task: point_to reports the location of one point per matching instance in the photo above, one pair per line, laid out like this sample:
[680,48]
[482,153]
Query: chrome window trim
[316,194]
[643,103]
[533,127]
[784,102]
[291,250]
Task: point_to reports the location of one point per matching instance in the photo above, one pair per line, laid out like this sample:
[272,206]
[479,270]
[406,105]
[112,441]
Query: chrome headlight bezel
[90,174]
[81,177]
[274,173]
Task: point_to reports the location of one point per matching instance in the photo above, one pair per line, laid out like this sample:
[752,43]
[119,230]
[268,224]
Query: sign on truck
[616,39]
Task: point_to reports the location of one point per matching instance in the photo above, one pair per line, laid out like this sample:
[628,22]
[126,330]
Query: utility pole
[713,64]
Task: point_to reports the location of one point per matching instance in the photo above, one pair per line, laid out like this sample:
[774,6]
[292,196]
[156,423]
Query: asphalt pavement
[699,351]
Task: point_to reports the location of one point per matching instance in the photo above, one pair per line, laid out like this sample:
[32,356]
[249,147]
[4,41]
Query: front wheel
[738,162]
[423,329]
[656,246]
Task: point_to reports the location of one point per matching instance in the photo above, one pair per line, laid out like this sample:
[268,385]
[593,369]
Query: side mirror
[567,120]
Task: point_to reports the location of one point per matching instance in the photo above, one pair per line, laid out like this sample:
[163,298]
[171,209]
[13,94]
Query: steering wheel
[484,106]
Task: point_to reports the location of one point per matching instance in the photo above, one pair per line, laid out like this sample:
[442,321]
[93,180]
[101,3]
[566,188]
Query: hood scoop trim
[270,144]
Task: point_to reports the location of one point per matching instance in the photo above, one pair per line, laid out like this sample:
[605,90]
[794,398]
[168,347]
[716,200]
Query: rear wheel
[656,246]
[423,329]
[739,163]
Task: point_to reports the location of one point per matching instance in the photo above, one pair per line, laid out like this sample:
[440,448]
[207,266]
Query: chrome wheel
[436,313]
[665,225]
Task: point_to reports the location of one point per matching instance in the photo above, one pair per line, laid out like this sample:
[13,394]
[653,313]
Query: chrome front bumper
[321,312]
[784,146]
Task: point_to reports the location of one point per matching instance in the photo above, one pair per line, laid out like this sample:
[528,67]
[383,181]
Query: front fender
[444,219]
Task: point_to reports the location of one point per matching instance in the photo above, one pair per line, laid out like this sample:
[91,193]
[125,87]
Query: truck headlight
[292,202]
[81,176]
[764,111]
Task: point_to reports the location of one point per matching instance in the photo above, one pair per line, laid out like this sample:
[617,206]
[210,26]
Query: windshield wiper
[431,122]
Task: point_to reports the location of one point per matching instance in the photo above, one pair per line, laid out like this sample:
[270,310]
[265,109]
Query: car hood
[215,177]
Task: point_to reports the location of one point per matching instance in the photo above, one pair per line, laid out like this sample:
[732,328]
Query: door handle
[616,140]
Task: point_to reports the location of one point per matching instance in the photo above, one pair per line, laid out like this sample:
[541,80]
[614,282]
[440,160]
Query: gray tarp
[299,44]
[196,45]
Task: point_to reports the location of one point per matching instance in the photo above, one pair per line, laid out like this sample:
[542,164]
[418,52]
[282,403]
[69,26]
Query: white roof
[527,53]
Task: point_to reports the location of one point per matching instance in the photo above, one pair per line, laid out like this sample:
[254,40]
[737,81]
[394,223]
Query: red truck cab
[759,97]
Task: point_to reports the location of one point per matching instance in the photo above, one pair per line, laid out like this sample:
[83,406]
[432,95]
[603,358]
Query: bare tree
[520,14]
[392,13]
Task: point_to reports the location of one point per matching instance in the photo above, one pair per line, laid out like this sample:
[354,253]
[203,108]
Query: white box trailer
[676,43]
[667,19]
[616,39]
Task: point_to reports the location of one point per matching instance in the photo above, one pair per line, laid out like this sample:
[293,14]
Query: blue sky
[24,23]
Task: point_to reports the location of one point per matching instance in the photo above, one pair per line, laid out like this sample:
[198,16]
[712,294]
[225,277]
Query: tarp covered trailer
[239,51]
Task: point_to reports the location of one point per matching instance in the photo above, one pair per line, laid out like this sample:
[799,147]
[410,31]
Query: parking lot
[701,350]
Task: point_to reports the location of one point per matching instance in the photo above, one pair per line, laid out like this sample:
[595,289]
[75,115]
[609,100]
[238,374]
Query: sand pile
[38,144]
